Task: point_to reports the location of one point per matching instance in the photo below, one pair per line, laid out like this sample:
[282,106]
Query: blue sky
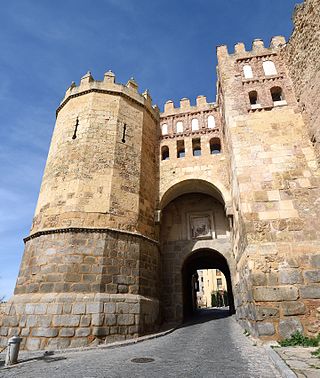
[167,46]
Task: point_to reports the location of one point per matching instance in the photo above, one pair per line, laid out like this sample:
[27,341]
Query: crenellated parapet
[109,86]
[186,107]
[258,49]
[188,119]
[259,76]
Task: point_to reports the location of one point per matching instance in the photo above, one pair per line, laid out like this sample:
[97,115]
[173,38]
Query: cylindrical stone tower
[90,266]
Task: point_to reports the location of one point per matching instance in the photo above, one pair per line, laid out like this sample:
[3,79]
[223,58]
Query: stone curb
[279,364]
[29,355]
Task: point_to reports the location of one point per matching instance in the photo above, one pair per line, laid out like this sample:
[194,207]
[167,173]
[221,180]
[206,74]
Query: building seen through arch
[135,202]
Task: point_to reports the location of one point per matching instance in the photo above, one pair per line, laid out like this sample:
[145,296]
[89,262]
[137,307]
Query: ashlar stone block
[293,308]
[265,329]
[275,293]
[288,326]
[44,332]
[310,291]
[290,276]
[125,319]
[66,320]
[312,275]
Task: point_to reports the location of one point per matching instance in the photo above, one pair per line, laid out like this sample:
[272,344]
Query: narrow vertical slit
[124,133]
[75,129]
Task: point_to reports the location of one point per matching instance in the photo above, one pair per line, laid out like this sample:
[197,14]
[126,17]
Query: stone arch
[205,258]
[177,187]
[193,218]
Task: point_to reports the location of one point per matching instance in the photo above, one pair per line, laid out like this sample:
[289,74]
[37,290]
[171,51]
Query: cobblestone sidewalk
[301,361]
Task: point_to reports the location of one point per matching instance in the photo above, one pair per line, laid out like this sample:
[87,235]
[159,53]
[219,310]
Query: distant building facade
[211,282]
[133,202]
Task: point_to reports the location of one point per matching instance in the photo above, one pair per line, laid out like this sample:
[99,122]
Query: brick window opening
[269,68]
[194,124]
[179,127]
[247,71]
[253,97]
[196,147]
[211,122]
[276,94]
[180,149]
[215,146]
[164,129]
[164,153]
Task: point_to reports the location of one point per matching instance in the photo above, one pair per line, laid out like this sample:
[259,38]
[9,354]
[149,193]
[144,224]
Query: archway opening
[200,261]
[193,218]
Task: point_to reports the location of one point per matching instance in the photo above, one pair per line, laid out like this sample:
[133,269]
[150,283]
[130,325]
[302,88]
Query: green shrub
[297,338]
[316,353]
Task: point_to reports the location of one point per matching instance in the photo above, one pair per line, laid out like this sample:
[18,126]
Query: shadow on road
[206,315]
[46,357]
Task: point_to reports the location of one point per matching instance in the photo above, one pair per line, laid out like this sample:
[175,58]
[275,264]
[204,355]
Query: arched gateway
[204,258]
[101,264]
[194,235]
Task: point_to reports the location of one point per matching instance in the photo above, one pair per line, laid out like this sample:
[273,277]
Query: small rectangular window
[180,149]
[196,147]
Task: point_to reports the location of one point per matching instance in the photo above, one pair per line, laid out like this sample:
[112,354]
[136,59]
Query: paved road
[212,346]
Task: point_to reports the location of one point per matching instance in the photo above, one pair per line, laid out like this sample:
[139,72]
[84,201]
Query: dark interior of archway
[203,259]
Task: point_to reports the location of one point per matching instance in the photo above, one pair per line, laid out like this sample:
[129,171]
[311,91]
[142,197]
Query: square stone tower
[275,192]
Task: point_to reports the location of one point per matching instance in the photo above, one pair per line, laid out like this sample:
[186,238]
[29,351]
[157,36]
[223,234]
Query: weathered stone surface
[288,326]
[94,308]
[290,276]
[54,308]
[315,261]
[100,331]
[66,332]
[110,308]
[110,319]
[44,332]
[263,313]
[66,320]
[312,275]
[265,329]
[79,308]
[97,319]
[83,332]
[78,342]
[33,343]
[293,308]
[58,343]
[275,294]
[310,291]
[125,319]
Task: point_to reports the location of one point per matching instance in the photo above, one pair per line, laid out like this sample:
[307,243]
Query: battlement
[258,49]
[108,85]
[186,107]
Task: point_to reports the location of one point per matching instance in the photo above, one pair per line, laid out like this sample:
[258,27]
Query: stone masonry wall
[96,160]
[302,56]
[57,321]
[93,231]
[275,189]
[209,167]
[95,262]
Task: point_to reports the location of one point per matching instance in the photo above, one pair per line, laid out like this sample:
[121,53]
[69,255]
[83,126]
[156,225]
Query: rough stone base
[55,321]
[278,294]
